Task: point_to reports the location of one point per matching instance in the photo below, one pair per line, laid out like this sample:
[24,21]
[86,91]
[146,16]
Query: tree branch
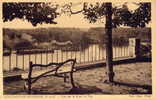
[76,12]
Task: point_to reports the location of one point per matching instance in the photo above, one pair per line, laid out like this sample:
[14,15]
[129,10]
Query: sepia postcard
[87,50]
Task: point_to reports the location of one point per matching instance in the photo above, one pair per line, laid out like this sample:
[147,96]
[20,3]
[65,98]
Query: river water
[93,53]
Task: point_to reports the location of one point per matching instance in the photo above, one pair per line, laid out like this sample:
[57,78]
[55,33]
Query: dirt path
[134,78]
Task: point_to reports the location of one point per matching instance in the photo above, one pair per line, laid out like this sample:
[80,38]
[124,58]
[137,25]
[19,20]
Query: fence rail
[19,59]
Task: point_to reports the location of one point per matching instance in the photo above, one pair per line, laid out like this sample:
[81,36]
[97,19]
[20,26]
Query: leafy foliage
[40,12]
[35,13]
[94,12]
[141,16]
[121,16]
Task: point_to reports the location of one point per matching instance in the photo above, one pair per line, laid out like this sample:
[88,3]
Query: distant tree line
[17,38]
[27,38]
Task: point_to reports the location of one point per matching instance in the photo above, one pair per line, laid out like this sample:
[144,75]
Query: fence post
[134,47]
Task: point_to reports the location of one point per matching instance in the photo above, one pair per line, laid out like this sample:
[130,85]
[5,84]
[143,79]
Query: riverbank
[131,78]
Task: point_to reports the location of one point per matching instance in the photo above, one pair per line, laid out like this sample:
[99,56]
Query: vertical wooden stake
[29,77]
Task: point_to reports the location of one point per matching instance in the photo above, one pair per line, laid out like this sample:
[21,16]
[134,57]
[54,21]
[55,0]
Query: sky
[76,20]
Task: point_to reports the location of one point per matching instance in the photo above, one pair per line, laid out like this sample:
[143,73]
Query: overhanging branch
[68,7]
[76,11]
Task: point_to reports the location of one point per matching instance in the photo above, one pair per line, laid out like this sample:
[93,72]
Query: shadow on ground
[135,91]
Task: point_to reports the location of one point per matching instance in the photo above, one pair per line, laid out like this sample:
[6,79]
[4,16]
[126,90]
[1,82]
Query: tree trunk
[109,52]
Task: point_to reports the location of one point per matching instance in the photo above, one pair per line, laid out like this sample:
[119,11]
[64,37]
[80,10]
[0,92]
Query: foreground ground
[133,78]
